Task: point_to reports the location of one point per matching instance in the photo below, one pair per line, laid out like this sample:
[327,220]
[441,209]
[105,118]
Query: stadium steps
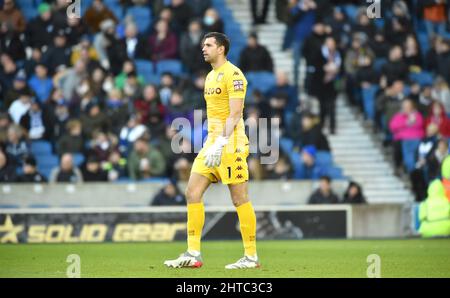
[362,158]
[270,34]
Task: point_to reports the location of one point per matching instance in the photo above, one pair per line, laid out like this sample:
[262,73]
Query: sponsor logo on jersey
[212,91]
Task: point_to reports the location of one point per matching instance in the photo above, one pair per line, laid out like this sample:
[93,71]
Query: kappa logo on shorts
[238,159]
[238,168]
[239,176]
[238,85]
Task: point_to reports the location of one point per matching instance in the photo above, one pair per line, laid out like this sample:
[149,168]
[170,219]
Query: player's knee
[193,196]
[238,200]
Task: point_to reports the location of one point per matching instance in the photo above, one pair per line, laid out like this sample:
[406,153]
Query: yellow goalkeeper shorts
[233,168]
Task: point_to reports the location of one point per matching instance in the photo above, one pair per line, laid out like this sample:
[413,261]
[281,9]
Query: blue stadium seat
[379,22]
[46,163]
[41,148]
[29,12]
[286,145]
[129,205]
[261,80]
[324,158]
[9,206]
[47,160]
[78,159]
[423,78]
[142,16]
[170,65]
[71,206]
[335,173]
[368,96]
[39,206]
[145,68]
[378,63]
[409,148]
[351,11]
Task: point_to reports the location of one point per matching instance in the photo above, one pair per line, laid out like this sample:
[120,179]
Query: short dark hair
[326,178]
[221,40]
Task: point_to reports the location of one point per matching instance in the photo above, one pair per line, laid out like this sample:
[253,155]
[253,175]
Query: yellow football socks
[247,220]
[195,222]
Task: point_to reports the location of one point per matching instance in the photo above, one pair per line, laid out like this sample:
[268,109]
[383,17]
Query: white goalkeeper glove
[213,154]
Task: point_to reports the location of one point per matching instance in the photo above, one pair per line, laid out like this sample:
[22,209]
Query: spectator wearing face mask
[212,22]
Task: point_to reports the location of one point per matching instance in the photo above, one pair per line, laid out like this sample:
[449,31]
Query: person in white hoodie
[21,105]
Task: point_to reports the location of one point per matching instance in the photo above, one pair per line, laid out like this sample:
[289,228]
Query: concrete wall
[109,194]
[381,221]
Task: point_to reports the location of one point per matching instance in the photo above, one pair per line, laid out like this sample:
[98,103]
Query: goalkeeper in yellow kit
[223,157]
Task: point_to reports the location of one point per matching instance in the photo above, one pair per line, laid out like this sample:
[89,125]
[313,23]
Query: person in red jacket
[438,116]
[163,43]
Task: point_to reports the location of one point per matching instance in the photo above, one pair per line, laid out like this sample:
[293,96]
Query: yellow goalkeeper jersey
[222,84]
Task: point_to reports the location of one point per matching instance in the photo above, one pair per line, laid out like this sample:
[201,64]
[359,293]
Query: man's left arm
[236,105]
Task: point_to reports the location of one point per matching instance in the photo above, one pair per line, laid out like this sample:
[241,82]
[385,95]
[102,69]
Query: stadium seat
[378,63]
[142,16]
[71,206]
[324,158]
[423,78]
[78,159]
[351,11]
[409,148]
[286,145]
[39,206]
[261,80]
[47,160]
[46,163]
[9,206]
[145,68]
[335,172]
[41,148]
[170,65]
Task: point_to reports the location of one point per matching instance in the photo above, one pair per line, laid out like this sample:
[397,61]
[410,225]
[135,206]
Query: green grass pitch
[306,258]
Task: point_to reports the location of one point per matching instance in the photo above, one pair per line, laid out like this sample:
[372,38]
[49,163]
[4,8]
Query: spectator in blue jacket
[41,84]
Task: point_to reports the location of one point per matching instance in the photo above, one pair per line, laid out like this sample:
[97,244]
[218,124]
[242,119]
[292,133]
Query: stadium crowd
[78,84]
